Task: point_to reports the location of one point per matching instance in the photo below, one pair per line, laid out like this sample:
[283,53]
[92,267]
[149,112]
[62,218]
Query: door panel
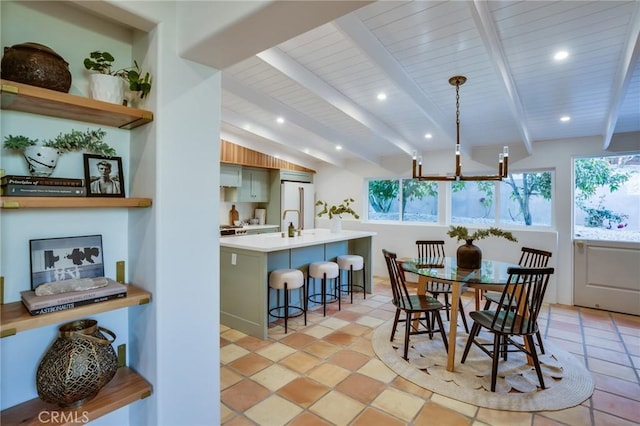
[607,275]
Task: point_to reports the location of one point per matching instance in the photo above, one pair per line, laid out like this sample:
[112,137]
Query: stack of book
[34,186]
[38,305]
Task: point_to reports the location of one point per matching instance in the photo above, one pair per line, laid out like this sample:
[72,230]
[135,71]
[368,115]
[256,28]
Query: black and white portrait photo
[103,176]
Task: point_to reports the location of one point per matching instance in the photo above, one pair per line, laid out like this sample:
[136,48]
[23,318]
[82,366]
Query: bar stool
[324,271]
[287,280]
[350,263]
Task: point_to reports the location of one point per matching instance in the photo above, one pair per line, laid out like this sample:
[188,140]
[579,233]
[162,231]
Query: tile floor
[327,373]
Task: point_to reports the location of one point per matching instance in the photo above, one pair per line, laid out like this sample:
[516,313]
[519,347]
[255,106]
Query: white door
[607,275]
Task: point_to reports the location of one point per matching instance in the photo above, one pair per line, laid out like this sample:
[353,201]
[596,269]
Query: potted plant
[42,157]
[468,255]
[335,212]
[138,83]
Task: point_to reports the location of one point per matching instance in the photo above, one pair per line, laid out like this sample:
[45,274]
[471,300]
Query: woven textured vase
[37,65]
[77,365]
[469,256]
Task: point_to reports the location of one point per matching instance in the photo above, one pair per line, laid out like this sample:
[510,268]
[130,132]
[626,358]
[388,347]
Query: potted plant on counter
[42,157]
[335,212]
[468,255]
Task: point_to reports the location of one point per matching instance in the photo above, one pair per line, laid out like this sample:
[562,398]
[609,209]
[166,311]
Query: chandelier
[503,157]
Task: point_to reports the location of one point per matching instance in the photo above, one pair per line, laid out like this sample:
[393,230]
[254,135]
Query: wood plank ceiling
[324,83]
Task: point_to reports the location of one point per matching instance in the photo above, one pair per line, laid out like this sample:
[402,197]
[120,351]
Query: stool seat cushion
[293,277]
[318,269]
[348,260]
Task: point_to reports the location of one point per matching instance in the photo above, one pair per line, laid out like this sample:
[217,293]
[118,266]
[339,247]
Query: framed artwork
[65,258]
[103,176]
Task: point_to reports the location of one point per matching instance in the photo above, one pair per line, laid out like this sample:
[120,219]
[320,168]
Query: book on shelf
[71,305]
[11,190]
[39,180]
[33,302]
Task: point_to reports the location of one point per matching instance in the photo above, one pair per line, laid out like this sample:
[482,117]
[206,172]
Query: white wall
[555,155]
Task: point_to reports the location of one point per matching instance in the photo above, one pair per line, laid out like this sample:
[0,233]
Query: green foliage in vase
[91,141]
[337,210]
[462,233]
[137,81]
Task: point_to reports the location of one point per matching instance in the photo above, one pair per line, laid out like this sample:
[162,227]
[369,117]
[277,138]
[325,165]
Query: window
[607,195]
[523,199]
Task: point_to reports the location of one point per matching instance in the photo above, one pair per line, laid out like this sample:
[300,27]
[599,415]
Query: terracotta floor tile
[455,405]
[613,404]
[301,362]
[276,351]
[226,413]
[303,391]
[363,346]
[407,386]
[355,329]
[398,403]
[243,395]
[610,368]
[328,374]
[606,419]
[274,377]
[340,339]
[348,315]
[308,419]
[239,421]
[322,349]
[334,323]
[233,335]
[360,387]
[369,321]
[349,359]
[608,355]
[251,343]
[371,416]
[579,415]
[337,408]
[298,340]
[444,415]
[231,352]
[250,364]
[274,410]
[565,335]
[617,386]
[497,417]
[376,369]
[224,342]
[228,377]
[318,331]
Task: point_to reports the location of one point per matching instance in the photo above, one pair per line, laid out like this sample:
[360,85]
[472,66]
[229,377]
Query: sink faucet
[284,213]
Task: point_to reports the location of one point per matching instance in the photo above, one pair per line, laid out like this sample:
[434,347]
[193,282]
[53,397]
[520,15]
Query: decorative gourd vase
[336,225]
[77,365]
[37,65]
[469,256]
[41,160]
[107,88]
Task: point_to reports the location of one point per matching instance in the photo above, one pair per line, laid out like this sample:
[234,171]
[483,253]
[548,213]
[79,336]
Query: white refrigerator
[297,205]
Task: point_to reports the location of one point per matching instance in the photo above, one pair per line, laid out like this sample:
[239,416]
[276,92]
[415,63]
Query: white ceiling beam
[279,137]
[353,28]
[292,69]
[294,117]
[625,72]
[489,34]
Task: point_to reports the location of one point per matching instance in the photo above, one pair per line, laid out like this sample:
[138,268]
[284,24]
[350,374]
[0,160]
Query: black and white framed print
[103,176]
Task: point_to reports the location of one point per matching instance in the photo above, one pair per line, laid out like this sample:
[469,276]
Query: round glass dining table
[492,275]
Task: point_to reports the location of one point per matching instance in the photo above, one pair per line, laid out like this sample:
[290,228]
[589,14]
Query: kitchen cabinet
[127,386]
[254,188]
[230,175]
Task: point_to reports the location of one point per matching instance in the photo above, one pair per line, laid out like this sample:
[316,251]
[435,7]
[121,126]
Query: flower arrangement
[89,141]
[337,210]
[462,233]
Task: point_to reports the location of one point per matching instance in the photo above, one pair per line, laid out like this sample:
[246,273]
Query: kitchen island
[246,261]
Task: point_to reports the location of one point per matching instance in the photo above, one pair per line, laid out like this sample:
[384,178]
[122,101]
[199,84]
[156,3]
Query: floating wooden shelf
[71,202]
[36,100]
[125,388]
[15,318]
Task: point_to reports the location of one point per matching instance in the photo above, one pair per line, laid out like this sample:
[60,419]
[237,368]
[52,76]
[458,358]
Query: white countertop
[274,241]
[248,227]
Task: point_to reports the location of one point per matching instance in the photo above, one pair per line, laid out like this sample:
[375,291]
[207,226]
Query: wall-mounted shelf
[15,318]
[71,202]
[36,100]
[125,387]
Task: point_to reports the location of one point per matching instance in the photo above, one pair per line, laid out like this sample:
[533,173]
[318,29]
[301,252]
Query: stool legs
[350,284]
[324,283]
[287,304]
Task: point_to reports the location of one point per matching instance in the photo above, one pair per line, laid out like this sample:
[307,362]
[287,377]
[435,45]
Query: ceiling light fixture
[559,56]
[428,136]
[503,157]
[382,96]
[280,120]
[565,118]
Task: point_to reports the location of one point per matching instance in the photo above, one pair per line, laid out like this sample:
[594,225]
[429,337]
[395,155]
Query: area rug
[568,382]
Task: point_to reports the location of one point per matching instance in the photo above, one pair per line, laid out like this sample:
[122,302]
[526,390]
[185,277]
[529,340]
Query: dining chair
[525,289]
[529,258]
[435,249]
[420,304]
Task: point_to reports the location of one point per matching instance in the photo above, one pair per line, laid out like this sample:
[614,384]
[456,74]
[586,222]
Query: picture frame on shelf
[64,258]
[103,176]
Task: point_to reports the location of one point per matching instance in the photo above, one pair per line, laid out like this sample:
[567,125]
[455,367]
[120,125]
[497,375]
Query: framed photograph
[103,176]
[57,259]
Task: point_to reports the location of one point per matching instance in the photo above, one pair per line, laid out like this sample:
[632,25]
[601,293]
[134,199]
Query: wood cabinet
[254,188]
[127,386]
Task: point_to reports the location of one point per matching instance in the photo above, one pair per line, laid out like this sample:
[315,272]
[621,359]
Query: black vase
[469,256]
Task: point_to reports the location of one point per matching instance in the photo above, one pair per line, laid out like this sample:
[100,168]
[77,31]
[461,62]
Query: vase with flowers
[336,211]
[468,255]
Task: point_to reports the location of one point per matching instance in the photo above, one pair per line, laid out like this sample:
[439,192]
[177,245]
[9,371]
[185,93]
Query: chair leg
[539,337]
[536,363]
[494,358]
[395,324]
[446,305]
[406,335]
[475,329]
[436,314]
[464,316]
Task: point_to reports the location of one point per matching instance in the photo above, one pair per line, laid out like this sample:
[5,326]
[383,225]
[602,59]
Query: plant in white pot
[42,157]
[468,255]
[108,85]
[335,212]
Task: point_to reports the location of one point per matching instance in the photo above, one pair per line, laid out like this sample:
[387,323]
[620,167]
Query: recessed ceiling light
[428,136]
[560,55]
[382,96]
[280,120]
[338,147]
[565,118]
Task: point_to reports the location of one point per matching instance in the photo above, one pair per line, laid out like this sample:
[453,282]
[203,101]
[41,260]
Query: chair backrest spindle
[398,286]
